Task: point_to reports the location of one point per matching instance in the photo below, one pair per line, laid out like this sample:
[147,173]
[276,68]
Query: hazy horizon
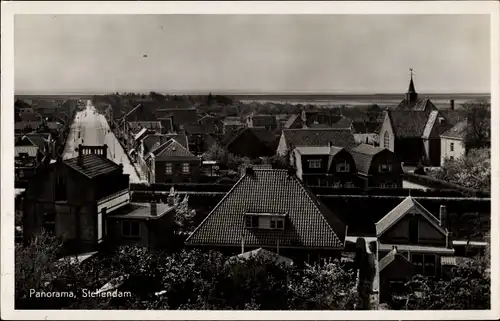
[291,54]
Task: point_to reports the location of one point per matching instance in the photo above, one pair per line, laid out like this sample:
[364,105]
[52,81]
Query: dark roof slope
[309,222]
[93,165]
[365,127]
[172,149]
[408,124]
[363,156]
[319,137]
[417,105]
[458,131]
[157,140]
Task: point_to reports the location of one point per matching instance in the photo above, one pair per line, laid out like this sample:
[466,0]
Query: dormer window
[268,221]
[385,167]
[343,167]
[314,163]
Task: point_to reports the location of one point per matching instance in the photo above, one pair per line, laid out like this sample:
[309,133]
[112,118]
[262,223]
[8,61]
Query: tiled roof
[309,222]
[365,127]
[417,105]
[172,149]
[38,140]
[430,124]
[145,124]
[157,140]
[408,124]
[458,131]
[263,135]
[363,156]
[400,211]
[319,137]
[263,120]
[93,165]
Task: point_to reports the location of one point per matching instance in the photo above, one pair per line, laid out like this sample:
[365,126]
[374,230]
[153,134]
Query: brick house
[419,237]
[70,197]
[377,167]
[171,162]
[291,138]
[324,166]
[274,210]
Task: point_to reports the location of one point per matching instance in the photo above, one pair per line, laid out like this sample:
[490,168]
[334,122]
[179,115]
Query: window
[23,155]
[315,163]
[277,223]
[349,185]
[337,185]
[413,230]
[386,140]
[251,221]
[382,185]
[343,167]
[385,167]
[429,265]
[452,147]
[185,168]
[60,192]
[418,263]
[131,229]
[168,168]
[394,185]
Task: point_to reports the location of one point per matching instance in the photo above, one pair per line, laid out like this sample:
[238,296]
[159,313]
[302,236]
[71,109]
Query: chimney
[105,151]
[80,155]
[303,116]
[249,171]
[452,104]
[330,144]
[442,215]
[154,208]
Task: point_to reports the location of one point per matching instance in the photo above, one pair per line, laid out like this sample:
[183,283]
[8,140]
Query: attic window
[441,120]
[265,221]
[385,167]
[314,163]
[343,167]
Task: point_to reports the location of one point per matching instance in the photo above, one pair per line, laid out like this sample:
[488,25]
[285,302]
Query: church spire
[411,95]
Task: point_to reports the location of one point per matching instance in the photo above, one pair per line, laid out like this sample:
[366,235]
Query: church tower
[411,95]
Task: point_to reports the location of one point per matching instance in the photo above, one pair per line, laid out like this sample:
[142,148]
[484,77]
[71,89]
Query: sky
[251,53]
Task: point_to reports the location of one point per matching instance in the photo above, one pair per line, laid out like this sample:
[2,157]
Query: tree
[472,170]
[477,134]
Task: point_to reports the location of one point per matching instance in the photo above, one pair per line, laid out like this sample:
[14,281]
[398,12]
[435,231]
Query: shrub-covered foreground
[184,280]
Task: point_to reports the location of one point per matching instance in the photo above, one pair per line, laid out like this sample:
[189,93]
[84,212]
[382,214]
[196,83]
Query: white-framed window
[386,140]
[424,264]
[385,167]
[131,228]
[168,168]
[277,223]
[383,185]
[314,163]
[452,147]
[343,167]
[185,168]
[348,185]
[394,185]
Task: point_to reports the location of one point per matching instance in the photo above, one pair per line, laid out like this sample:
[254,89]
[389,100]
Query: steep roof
[93,165]
[400,211]
[458,131]
[157,140]
[172,149]
[319,137]
[363,156]
[263,135]
[37,140]
[309,222]
[389,258]
[291,120]
[430,124]
[417,105]
[365,127]
[408,124]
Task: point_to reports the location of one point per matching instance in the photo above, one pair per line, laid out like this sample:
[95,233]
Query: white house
[453,142]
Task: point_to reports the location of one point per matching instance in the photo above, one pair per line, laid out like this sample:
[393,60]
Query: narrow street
[91,128]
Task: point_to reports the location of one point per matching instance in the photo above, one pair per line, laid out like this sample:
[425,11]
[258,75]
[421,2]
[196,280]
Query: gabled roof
[430,124]
[172,149]
[150,141]
[408,124]
[319,137]
[263,135]
[140,134]
[400,211]
[458,131]
[417,105]
[263,120]
[309,222]
[291,120]
[37,140]
[389,258]
[93,165]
